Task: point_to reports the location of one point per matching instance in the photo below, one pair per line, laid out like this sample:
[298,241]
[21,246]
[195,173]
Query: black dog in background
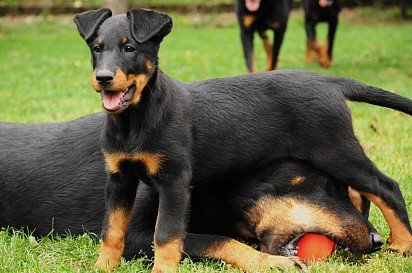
[317,11]
[260,16]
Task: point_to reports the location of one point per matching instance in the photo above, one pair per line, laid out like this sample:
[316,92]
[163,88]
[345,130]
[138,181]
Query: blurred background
[18,7]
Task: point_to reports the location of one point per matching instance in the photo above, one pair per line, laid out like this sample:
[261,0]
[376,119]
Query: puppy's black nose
[376,240]
[104,77]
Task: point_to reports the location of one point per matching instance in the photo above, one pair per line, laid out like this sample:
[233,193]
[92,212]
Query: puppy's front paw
[107,262]
[163,269]
[283,263]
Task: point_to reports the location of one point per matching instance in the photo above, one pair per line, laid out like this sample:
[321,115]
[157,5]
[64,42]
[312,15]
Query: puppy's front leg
[174,197]
[120,196]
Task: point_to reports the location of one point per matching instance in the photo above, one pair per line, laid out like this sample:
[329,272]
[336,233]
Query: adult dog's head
[292,199]
[124,52]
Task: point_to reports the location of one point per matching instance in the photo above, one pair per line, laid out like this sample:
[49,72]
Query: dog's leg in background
[333,24]
[247,42]
[312,44]
[247,36]
[268,49]
[277,42]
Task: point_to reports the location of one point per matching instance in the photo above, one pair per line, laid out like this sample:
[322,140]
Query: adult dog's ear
[88,22]
[146,24]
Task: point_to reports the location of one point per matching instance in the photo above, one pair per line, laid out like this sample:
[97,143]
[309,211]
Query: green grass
[45,71]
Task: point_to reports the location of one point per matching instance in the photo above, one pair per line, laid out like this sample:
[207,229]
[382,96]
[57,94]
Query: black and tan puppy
[175,135]
[321,11]
[54,182]
[260,16]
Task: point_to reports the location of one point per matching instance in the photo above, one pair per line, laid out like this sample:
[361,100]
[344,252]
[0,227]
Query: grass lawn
[45,71]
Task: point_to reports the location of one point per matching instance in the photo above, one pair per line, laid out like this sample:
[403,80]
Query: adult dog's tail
[356,91]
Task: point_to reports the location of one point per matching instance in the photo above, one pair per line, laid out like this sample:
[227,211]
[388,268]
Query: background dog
[321,11]
[260,16]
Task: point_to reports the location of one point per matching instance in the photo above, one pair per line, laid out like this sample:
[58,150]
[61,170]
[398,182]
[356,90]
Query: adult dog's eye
[129,48]
[97,49]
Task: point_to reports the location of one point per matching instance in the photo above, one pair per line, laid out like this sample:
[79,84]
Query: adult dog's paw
[404,247]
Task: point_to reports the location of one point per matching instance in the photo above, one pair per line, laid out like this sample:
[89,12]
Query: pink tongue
[323,3]
[252,5]
[111,100]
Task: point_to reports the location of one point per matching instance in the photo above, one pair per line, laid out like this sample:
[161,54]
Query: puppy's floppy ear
[88,22]
[146,24]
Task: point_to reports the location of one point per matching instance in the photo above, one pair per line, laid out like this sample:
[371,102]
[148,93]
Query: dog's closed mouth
[114,101]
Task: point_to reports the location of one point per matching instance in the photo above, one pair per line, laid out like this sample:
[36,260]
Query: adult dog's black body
[260,16]
[52,177]
[174,135]
[317,11]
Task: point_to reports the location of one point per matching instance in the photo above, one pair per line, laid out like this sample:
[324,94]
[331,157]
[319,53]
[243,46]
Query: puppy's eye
[129,48]
[97,49]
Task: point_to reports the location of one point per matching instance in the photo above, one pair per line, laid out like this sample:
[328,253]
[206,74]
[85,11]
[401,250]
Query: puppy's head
[124,52]
[299,199]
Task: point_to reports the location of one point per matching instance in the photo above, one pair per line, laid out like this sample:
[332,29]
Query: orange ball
[314,247]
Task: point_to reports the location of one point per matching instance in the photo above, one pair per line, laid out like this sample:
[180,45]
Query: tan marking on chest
[151,161]
[298,179]
[248,20]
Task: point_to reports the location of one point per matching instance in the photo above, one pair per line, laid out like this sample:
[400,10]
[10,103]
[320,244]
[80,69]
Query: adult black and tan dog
[321,11]
[175,135]
[52,179]
[260,16]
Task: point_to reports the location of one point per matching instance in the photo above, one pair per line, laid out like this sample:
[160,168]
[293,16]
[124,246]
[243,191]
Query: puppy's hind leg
[347,162]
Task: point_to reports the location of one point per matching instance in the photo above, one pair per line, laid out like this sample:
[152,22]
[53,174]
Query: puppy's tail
[356,91]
